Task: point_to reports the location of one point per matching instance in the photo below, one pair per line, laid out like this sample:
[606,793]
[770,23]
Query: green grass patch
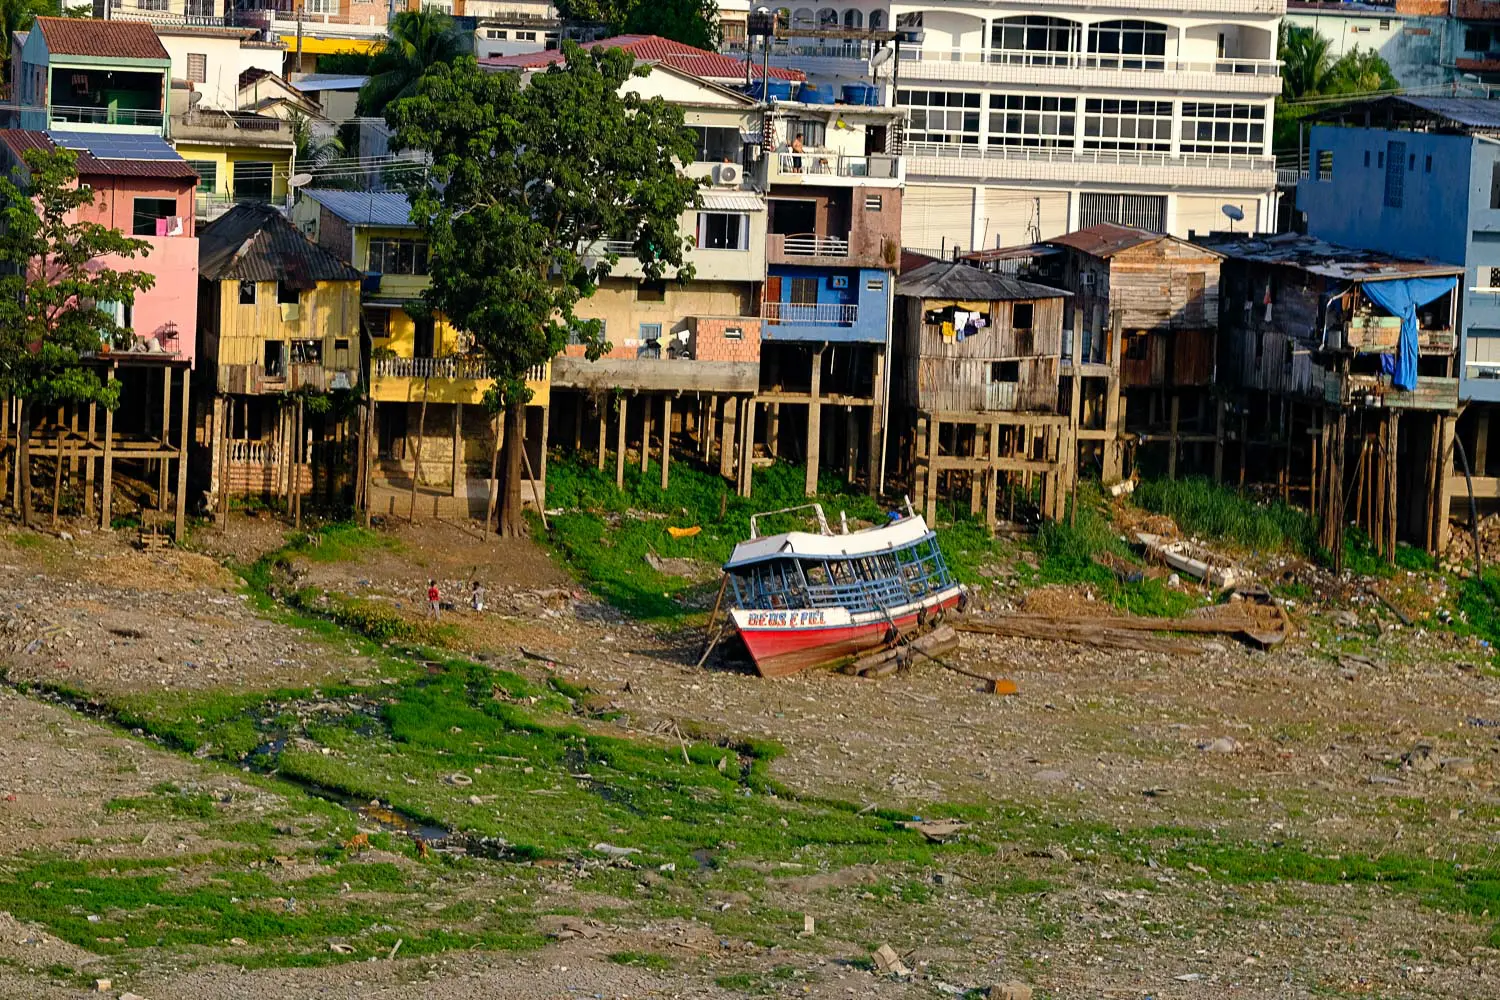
[343,542]
[1210,510]
[166,801]
[641,959]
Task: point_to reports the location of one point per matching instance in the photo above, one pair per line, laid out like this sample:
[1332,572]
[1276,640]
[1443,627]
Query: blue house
[1420,177]
[826,304]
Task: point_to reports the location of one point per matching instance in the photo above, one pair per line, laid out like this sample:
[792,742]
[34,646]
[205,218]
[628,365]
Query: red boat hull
[780,652]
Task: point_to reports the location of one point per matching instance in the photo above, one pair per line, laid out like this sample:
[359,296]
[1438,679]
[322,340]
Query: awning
[330,46]
[1402,297]
[733,201]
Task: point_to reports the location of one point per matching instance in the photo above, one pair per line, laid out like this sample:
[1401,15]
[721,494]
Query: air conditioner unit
[727,173]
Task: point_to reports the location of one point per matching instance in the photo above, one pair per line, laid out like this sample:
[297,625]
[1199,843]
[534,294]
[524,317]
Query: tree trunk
[23,463]
[57,470]
[511,523]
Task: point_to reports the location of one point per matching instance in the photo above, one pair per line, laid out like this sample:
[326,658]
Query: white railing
[625,248]
[252,452]
[1111,157]
[831,164]
[821,314]
[815,246]
[454,367]
[1094,60]
[73,114]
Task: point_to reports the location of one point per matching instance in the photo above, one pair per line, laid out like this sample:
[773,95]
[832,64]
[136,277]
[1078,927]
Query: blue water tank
[774,90]
[862,93]
[815,93]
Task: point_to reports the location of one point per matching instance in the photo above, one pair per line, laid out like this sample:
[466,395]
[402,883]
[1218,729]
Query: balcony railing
[1094,60]
[809,245]
[1126,157]
[252,452]
[75,115]
[452,367]
[839,165]
[821,314]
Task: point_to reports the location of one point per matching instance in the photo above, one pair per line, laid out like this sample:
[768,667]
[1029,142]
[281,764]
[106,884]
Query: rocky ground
[1361,741]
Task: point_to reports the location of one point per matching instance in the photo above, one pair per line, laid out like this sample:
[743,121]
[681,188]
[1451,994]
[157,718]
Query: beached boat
[804,599]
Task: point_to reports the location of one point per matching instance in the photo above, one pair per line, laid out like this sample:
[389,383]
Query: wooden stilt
[773,429]
[666,439]
[1392,522]
[728,436]
[106,486]
[934,429]
[814,423]
[162,464]
[603,433]
[1172,456]
[747,448]
[623,414]
[645,432]
[456,466]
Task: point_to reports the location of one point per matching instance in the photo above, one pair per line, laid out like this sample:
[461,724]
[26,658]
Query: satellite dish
[194,98]
[299,180]
[880,62]
[1234,212]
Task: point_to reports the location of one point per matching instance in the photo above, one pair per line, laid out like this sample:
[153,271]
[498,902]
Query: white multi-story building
[1032,119]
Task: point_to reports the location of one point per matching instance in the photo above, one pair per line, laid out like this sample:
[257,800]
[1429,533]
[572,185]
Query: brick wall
[336,235]
[710,344]
[1429,8]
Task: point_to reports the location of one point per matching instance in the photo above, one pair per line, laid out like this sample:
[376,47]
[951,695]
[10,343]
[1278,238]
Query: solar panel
[117,145]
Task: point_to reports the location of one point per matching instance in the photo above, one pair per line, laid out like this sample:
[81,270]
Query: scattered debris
[937,831]
[340,949]
[1224,744]
[616,852]
[1009,991]
[888,962]
[1082,632]
[1181,557]
[1123,488]
[102,985]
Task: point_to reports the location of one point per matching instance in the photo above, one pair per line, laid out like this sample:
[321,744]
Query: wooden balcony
[1431,392]
[255,380]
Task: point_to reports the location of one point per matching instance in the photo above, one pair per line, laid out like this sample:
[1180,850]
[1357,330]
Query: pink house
[143,188]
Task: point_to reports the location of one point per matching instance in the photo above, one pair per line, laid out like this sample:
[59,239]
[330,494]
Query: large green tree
[692,22]
[1310,77]
[53,280]
[415,41]
[529,178]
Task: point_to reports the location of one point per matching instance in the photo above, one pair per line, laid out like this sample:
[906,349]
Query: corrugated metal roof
[170,166]
[1106,239]
[364,208]
[1473,112]
[327,81]
[948,280]
[84,36]
[257,243]
[1029,251]
[654,48]
[1310,254]
[733,201]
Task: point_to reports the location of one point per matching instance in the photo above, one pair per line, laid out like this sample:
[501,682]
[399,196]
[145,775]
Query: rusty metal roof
[1106,239]
[86,36]
[1315,256]
[655,49]
[949,280]
[258,243]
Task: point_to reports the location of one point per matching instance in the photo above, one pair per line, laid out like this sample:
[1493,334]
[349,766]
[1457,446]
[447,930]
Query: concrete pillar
[728,437]
[877,426]
[456,473]
[620,442]
[773,429]
[107,484]
[814,423]
[666,439]
[166,424]
[603,434]
[645,432]
[747,449]
[183,437]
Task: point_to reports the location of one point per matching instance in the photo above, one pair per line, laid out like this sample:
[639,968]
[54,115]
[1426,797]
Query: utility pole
[301,6]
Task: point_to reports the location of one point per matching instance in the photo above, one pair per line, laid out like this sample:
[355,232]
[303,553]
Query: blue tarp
[1402,297]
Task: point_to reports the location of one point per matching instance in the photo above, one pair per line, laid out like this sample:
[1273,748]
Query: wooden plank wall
[1165,285]
[1272,355]
[960,384]
[945,375]
[327,313]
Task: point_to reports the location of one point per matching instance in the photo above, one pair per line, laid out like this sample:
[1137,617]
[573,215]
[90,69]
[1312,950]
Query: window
[197,67]
[1323,166]
[874,284]
[1367,157]
[526,36]
[146,213]
[1143,125]
[395,256]
[1143,211]
[814,133]
[378,322]
[1021,316]
[208,174]
[307,352]
[252,179]
[201,8]
[1005,371]
[734,333]
[1385,24]
[1476,39]
[322,6]
[723,231]
[341,343]
[715,145]
[942,116]
[650,332]
[496,34]
[286,294]
[1495,184]
[1223,128]
[1032,120]
[651,291]
[152,4]
[1427,167]
[247,293]
[1136,347]
[275,359]
[575,337]
[1395,177]
[1494,277]
[1411,164]
[649,345]
[1380,160]
[1033,34]
[804,292]
[1119,40]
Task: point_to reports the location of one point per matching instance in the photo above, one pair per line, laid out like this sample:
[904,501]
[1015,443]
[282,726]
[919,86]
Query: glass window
[1223,128]
[394,256]
[942,116]
[723,231]
[814,133]
[1129,38]
[208,174]
[1143,125]
[715,145]
[1052,37]
[1032,120]
[1395,176]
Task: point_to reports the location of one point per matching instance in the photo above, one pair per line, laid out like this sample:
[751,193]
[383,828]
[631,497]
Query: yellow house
[278,317]
[427,385]
[239,156]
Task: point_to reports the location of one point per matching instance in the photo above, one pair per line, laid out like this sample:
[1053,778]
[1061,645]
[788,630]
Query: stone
[888,962]
[1009,991]
[1224,744]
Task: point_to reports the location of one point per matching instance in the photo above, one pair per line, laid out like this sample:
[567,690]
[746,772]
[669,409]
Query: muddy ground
[1359,736]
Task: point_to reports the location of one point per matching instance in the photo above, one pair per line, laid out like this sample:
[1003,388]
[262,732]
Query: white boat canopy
[810,545]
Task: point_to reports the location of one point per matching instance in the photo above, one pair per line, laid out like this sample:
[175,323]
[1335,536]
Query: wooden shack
[977,376]
[279,319]
[1307,349]
[1146,307]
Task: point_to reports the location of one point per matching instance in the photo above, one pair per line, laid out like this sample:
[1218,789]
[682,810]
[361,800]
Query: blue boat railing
[877,582]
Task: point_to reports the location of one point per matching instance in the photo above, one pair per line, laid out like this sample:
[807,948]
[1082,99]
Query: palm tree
[1306,62]
[415,40]
[314,149]
[1361,71]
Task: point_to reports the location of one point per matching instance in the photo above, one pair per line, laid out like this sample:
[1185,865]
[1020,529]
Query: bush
[1204,508]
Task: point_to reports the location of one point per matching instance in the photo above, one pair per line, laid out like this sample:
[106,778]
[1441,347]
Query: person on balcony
[797,150]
